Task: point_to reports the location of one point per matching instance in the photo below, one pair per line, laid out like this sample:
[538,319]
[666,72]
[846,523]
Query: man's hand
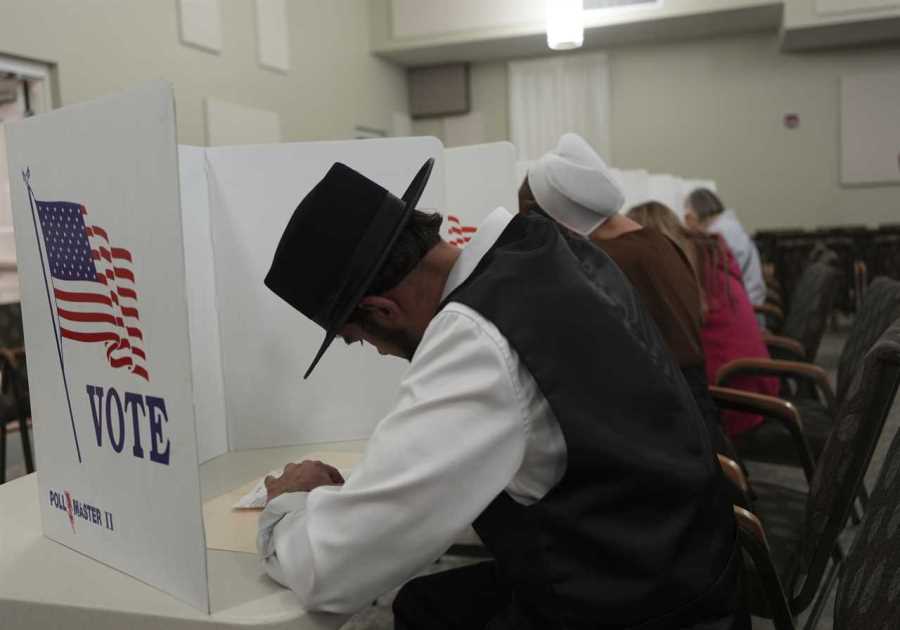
[302,477]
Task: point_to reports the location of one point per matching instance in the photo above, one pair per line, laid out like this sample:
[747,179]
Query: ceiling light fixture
[565,24]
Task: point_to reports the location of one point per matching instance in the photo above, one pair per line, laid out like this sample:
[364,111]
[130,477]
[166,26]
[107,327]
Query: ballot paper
[256,498]
[232,527]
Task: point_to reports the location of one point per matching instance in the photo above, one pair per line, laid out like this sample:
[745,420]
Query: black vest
[638,532]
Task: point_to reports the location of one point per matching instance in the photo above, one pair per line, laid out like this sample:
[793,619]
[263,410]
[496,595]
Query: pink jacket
[730,331]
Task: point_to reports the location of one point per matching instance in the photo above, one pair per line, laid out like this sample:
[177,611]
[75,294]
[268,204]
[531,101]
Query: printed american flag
[93,285]
[459,234]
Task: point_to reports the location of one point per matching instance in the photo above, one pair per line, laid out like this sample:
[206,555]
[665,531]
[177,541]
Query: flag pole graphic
[26,175]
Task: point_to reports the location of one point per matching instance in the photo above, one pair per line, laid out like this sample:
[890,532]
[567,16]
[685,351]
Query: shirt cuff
[275,510]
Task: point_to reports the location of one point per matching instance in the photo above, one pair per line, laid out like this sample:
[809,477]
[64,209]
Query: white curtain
[550,96]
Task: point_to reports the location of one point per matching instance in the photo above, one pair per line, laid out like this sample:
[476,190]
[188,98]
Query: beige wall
[101,46]
[714,108]
[801,13]
[488,95]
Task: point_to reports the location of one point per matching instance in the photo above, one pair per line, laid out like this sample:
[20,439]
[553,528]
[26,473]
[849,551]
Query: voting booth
[635,185]
[479,178]
[153,345]
[640,186]
[265,344]
[97,219]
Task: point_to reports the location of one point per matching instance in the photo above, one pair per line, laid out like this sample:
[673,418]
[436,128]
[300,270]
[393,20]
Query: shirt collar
[488,233]
[726,216]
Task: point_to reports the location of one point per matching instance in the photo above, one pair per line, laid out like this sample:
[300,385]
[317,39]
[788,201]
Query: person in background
[705,211]
[574,186]
[729,327]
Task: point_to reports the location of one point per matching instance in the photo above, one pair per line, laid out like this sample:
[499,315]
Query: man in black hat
[541,405]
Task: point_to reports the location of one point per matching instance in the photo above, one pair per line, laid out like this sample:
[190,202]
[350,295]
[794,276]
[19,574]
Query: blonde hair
[704,252]
[660,217]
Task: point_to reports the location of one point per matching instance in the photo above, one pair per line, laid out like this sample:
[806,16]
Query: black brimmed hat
[336,242]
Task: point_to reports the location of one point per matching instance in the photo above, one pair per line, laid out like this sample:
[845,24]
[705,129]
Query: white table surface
[45,585]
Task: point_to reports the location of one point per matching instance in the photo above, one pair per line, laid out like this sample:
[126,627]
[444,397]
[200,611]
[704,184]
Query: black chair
[758,562]
[791,259]
[885,255]
[840,252]
[784,440]
[15,405]
[809,309]
[868,595]
[774,253]
[802,529]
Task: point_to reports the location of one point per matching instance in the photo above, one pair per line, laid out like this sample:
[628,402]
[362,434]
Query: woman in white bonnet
[574,186]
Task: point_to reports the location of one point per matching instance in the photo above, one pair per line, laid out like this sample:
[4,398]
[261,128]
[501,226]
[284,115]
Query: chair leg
[2,451]
[26,445]
[863,496]
[821,600]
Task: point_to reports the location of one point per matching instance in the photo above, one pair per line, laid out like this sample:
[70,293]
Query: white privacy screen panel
[480,178]
[266,344]
[206,359]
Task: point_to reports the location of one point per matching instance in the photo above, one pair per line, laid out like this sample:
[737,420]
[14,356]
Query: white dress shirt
[469,423]
[744,249]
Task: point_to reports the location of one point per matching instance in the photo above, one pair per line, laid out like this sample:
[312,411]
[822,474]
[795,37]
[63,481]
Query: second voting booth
[153,345]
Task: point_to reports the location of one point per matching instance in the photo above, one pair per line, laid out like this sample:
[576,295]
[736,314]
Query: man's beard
[403,340]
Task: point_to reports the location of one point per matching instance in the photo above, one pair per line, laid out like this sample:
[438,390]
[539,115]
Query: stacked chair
[884,252]
[788,252]
[855,249]
[793,257]
[790,539]
[811,304]
[15,408]
[843,247]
